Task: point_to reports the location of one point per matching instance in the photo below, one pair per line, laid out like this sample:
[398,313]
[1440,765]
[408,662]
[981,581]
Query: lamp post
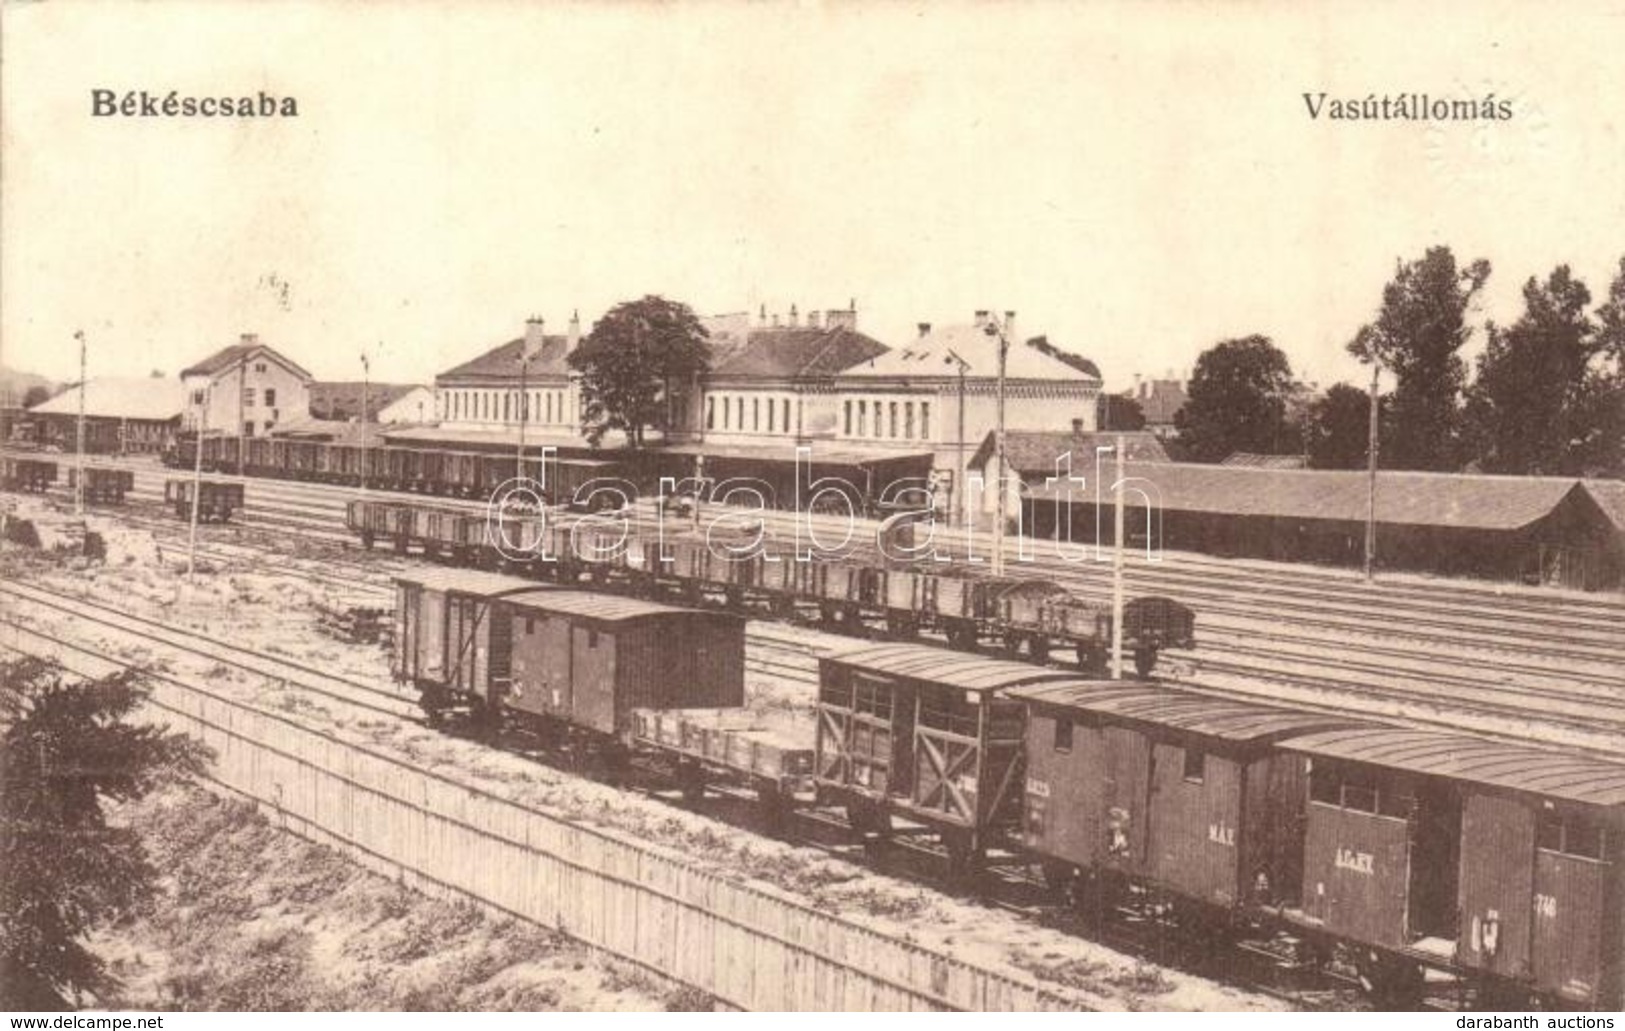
[197,482]
[959,446]
[366,383]
[992,328]
[79,451]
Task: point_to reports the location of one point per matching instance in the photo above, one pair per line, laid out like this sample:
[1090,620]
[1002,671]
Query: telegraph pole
[1371,486]
[197,482]
[79,459]
[959,447]
[1117,564]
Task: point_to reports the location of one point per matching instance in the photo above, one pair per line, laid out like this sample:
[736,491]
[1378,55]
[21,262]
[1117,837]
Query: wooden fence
[747,946]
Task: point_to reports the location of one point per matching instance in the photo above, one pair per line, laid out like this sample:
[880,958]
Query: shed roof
[949,668]
[1036,451]
[147,398]
[342,400]
[1610,497]
[1225,718]
[1473,760]
[1403,498]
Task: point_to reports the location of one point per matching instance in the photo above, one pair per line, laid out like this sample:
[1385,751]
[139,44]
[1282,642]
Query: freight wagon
[103,486]
[31,475]
[217,499]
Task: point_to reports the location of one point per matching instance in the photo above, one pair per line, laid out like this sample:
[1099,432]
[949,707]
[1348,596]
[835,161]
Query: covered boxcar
[217,499]
[551,656]
[927,734]
[1499,860]
[1132,782]
[103,486]
[21,473]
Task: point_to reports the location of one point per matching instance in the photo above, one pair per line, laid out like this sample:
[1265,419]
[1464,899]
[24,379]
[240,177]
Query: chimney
[1010,326]
[761,317]
[250,338]
[572,337]
[794,318]
[924,327]
[812,320]
[981,318]
[533,335]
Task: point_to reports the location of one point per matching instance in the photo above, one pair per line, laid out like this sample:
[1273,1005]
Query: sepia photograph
[843,505]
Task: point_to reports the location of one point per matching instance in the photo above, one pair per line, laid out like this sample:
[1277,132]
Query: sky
[1138,181]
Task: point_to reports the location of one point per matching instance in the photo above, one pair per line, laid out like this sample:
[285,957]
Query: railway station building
[245,389]
[1538,530]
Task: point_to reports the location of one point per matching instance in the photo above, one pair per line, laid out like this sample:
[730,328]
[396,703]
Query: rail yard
[978,792]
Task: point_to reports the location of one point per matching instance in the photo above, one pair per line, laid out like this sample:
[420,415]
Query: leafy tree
[64,751]
[1417,333]
[1118,413]
[1605,393]
[1337,433]
[1531,409]
[637,366]
[1237,401]
[36,394]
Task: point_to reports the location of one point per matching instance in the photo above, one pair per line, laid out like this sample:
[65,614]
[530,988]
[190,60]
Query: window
[787,415]
[270,397]
[1063,735]
[770,407]
[863,418]
[197,397]
[879,424]
[248,396]
[892,426]
[710,413]
[739,414]
[848,422]
[259,366]
[925,420]
[268,425]
[1573,835]
[1195,765]
[755,414]
[908,420]
[248,428]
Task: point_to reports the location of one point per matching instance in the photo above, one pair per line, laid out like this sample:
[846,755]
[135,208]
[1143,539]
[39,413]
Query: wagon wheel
[1038,648]
[782,606]
[1091,658]
[965,860]
[1011,643]
[899,625]
[775,806]
[1145,659]
[691,779]
[1389,981]
[1061,878]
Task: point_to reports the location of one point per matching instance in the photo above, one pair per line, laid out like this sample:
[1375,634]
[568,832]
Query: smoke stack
[924,327]
[1010,326]
[572,336]
[533,336]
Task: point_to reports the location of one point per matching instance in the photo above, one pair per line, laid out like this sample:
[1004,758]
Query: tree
[1605,393]
[1116,413]
[638,366]
[1418,330]
[64,751]
[1338,430]
[1531,410]
[1236,401]
[36,394]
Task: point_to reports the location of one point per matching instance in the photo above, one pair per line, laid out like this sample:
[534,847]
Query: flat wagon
[31,475]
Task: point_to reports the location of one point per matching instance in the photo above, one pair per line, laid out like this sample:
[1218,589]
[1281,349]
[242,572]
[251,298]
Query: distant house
[1160,400]
[246,388]
[386,402]
[123,415]
[1037,457]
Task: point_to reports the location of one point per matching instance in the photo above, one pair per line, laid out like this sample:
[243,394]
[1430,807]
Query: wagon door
[1498,835]
[1574,863]
[1128,771]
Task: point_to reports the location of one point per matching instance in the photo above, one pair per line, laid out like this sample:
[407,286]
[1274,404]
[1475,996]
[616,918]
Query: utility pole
[79,460]
[993,329]
[1371,487]
[366,383]
[1117,563]
[197,481]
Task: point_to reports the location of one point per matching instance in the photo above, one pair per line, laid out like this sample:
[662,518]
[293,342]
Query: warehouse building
[123,415]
